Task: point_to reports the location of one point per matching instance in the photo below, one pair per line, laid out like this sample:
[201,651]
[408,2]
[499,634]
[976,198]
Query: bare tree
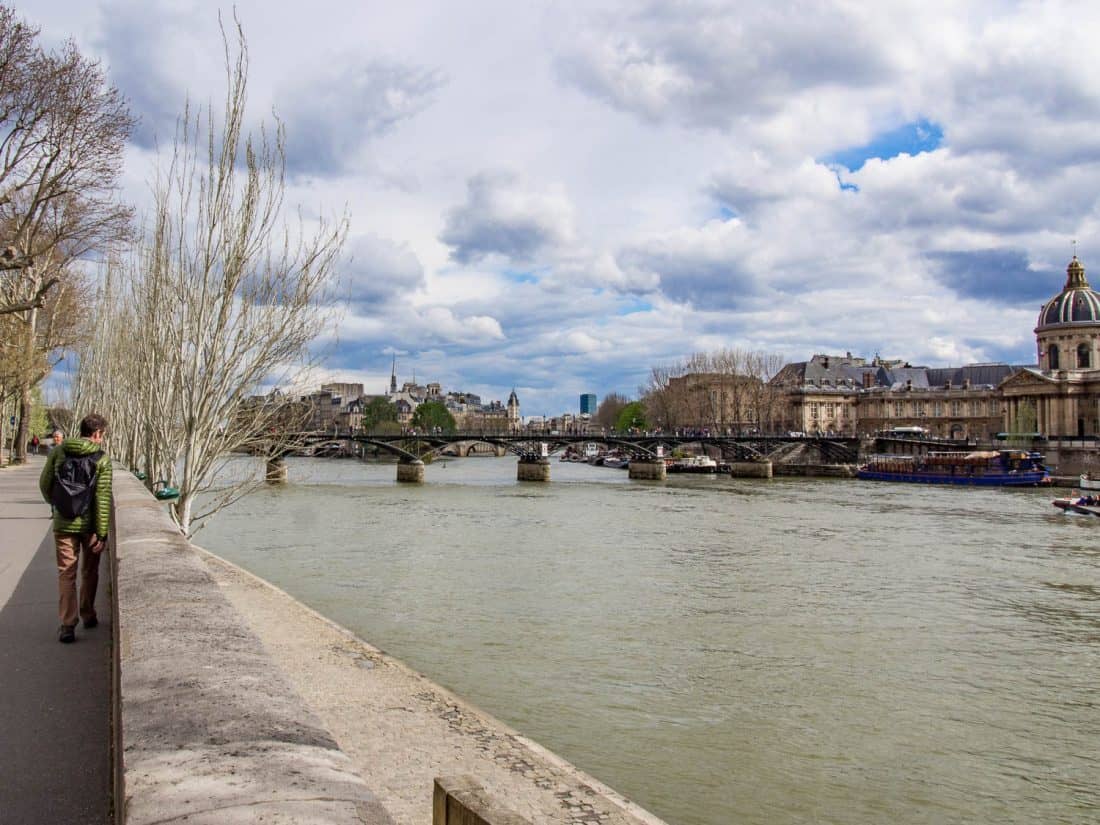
[62,134]
[657,395]
[227,299]
[766,398]
[607,414]
[721,390]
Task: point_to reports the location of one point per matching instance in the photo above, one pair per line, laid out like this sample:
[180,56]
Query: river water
[725,651]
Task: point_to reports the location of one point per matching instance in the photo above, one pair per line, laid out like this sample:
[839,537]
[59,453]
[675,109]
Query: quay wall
[205,727]
[231,701]
[1070,457]
[816,470]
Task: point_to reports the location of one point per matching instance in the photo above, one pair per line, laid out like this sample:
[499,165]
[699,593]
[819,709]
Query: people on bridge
[76,481]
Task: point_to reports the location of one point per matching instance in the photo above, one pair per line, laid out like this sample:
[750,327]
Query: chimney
[867,379]
[947,385]
[908,384]
[966,384]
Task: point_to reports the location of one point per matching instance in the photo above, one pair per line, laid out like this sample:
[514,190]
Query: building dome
[1076,304]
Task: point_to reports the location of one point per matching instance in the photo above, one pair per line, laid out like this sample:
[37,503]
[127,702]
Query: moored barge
[984,468]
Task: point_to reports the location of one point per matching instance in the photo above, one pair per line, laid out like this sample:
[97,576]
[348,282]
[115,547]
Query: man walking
[77,482]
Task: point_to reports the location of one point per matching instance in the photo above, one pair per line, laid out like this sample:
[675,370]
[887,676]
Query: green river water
[725,651]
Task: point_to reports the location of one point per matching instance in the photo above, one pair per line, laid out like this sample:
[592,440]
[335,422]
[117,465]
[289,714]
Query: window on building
[937,408]
[918,409]
[956,408]
[1083,358]
[1052,357]
[899,409]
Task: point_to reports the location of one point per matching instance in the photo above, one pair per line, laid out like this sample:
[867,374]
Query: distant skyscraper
[588,403]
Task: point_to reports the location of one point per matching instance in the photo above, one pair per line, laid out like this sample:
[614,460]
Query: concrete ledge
[460,800]
[211,730]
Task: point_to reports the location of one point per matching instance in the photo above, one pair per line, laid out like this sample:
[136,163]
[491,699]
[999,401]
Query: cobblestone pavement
[402,730]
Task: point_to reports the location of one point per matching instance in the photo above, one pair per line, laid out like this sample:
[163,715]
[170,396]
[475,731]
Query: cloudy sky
[556,196]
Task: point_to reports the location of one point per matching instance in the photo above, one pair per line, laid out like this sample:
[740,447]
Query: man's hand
[99,544]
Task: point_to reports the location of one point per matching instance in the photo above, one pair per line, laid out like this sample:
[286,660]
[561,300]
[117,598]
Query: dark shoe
[65,634]
[90,623]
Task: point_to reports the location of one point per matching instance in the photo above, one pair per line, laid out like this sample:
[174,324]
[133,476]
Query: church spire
[393,376]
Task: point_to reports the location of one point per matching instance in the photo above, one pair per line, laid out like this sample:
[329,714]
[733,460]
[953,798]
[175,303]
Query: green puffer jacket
[97,518]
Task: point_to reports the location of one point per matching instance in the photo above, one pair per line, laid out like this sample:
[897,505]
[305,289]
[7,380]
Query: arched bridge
[421,446]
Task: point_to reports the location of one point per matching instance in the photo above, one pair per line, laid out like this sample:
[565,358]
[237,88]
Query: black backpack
[74,484]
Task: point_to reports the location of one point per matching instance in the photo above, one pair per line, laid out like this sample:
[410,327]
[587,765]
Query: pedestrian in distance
[77,482]
[34,443]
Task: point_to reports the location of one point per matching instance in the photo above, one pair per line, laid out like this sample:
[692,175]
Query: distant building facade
[851,396]
[588,403]
[1059,397]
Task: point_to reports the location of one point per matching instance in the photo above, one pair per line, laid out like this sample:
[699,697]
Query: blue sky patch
[909,139]
[520,276]
[634,305]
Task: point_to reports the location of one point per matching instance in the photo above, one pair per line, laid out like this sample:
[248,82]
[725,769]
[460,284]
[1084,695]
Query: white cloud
[558,196]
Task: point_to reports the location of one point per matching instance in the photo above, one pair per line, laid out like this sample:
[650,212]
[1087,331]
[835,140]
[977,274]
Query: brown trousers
[70,547]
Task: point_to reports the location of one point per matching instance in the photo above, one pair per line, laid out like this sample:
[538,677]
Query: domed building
[1068,325]
[1061,397]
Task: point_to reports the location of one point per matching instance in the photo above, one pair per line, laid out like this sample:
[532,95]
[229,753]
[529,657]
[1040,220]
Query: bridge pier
[275,472]
[751,469]
[533,469]
[647,469]
[410,472]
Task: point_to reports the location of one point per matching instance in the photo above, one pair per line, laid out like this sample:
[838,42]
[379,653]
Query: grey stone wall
[209,730]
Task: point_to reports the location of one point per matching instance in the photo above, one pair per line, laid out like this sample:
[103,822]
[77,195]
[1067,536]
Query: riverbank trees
[219,302]
[433,416]
[63,130]
[607,414]
[728,389]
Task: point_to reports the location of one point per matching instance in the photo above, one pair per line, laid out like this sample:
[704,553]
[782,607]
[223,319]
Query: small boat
[985,468]
[1089,482]
[692,464]
[1081,505]
[616,461]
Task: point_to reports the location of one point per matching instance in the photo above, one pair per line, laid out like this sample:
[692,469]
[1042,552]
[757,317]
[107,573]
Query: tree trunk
[22,427]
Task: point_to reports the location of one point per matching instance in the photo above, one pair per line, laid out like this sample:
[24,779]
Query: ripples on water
[726,651]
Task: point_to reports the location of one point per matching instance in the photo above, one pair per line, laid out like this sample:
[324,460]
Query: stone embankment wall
[231,697]
[1070,457]
[207,729]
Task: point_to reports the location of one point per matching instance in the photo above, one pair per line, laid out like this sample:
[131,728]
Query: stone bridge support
[751,469]
[647,469]
[533,469]
[410,472]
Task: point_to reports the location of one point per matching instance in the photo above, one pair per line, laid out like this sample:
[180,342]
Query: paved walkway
[55,728]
